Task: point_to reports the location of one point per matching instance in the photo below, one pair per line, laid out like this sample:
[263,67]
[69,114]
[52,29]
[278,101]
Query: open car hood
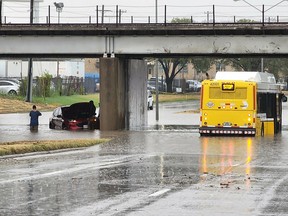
[76,111]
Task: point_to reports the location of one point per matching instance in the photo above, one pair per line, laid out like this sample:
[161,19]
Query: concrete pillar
[112,94]
[137,94]
[123,94]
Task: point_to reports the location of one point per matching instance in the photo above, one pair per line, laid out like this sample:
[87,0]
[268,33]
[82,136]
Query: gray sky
[200,10]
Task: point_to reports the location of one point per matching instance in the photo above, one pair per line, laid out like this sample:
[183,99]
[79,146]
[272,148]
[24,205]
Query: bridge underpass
[122,70]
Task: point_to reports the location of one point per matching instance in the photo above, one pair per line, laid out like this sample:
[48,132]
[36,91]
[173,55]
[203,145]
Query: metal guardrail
[146,29]
[118,14]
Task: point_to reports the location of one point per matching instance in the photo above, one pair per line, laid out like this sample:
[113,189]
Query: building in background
[19,68]
[92,75]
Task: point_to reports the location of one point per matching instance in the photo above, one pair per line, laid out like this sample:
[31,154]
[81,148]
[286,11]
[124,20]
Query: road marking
[270,194]
[158,193]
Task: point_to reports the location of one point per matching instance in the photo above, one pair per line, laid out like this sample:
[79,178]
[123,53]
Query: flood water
[15,126]
[172,116]
[140,173]
[166,169]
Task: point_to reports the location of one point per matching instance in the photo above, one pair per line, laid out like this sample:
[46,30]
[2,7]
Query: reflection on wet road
[141,173]
[220,156]
[151,172]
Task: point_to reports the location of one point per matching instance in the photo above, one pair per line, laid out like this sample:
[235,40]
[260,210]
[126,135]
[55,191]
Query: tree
[246,21]
[202,64]
[181,20]
[171,68]
[43,85]
[245,64]
[271,65]
[275,66]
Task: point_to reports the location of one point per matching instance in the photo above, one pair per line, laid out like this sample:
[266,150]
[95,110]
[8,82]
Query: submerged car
[75,116]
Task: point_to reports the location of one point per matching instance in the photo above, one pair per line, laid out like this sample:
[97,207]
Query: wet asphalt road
[163,170]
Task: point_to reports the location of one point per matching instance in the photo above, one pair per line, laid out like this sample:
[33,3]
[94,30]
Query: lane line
[158,193]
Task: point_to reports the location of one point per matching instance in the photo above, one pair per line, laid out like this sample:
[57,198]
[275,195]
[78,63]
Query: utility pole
[156,65]
[31,11]
[30,81]
[59,7]
[0,12]
[208,13]
[30,62]
[156,11]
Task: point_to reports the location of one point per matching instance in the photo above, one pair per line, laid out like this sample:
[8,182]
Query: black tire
[51,125]
[64,127]
[151,107]
[12,92]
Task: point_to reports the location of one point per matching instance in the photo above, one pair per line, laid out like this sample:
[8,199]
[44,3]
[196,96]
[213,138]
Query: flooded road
[15,126]
[157,171]
[151,173]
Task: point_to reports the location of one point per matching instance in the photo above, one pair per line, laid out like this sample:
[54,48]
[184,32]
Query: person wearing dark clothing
[34,114]
[92,108]
[93,119]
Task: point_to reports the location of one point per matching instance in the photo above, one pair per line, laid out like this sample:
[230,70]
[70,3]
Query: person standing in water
[34,114]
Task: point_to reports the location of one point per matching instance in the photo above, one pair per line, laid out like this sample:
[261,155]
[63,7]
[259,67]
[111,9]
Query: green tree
[23,87]
[43,85]
[245,21]
[245,64]
[171,68]
[276,66]
[181,20]
[202,64]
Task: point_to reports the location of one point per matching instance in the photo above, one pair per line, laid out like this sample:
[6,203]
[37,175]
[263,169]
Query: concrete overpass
[143,40]
[122,47]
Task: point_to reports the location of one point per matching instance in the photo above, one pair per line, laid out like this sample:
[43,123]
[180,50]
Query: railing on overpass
[145,29]
[118,14]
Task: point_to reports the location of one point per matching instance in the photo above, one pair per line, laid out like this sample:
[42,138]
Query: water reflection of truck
[221,156]
[241,103]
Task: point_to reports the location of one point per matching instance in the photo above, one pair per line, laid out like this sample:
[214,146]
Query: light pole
[157,72]
[249,4]
[263,10]
[120,14]
[275,5]
[59,7]
[263,14]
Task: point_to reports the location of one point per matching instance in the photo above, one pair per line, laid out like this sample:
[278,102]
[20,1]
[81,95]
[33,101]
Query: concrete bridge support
[137,94]
[123,100]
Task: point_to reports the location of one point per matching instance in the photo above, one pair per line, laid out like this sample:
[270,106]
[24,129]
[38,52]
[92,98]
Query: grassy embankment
[22,147]
[14,105]
[64,100]
[166,97]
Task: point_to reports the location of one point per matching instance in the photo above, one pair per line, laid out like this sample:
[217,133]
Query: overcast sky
[200,10]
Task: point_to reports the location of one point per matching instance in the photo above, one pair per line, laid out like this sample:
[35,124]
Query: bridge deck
[146,29]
